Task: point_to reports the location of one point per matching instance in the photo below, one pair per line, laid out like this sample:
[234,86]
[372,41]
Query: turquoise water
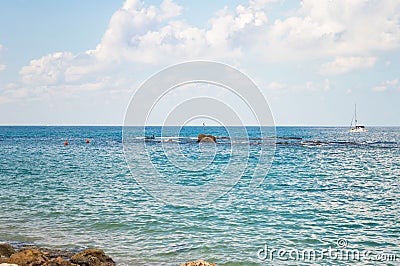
[324,184]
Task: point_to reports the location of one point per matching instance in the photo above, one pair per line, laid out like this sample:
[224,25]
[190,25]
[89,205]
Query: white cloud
[151,35]
[47,69]
[319,29]
[346,64]
[388,84]
[129,24]
[279,86]
[63,74]
[379,88]
[276,86]
[155,35]
[139,36]
[14,92]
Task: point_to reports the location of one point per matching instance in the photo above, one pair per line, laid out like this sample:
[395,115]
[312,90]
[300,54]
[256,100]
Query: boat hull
[358,130]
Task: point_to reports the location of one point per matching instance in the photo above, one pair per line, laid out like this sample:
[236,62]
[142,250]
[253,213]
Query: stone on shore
[31,255]
[53,253]
[28,257]
[92,257]
[206,138]
[6,250]
[58,262]
[198,263]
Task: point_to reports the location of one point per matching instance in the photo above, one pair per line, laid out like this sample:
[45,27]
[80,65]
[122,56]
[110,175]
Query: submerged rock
[92,257]
[198,263]
[6,250]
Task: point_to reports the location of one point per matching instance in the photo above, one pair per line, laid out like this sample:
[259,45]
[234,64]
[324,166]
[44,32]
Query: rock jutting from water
[206,138]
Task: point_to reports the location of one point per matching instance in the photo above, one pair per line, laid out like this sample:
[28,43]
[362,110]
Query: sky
[80,62]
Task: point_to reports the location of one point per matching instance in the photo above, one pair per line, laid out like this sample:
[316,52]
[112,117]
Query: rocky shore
[30,255]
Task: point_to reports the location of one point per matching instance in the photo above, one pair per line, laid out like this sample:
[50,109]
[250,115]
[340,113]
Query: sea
[156,196]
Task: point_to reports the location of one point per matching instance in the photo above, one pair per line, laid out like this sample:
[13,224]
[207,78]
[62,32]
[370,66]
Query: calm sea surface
[326,189]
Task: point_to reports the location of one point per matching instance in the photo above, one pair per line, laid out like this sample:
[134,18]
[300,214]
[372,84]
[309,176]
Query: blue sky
[79,62]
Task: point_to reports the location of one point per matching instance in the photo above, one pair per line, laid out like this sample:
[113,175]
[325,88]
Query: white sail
[357,128]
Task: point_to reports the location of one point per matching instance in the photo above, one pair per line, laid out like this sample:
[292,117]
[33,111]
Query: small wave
[170,140]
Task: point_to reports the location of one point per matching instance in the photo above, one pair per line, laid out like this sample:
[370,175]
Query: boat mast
[355,115]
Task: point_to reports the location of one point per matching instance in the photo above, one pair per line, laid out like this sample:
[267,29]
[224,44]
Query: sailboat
[357,128]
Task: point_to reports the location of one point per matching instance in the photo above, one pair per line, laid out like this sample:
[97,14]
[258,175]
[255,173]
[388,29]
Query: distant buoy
[66,143]
[87,141]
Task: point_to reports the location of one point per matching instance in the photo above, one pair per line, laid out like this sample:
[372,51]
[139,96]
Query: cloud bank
[345,35]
